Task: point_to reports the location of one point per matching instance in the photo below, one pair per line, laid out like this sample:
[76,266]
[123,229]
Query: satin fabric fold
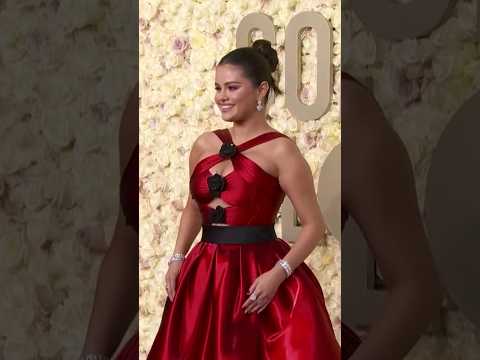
[253,195]
[205,321]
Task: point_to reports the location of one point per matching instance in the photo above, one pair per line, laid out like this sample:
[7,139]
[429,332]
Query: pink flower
[310,139]
[180,45]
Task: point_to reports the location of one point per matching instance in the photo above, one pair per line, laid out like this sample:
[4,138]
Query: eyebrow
[230,82]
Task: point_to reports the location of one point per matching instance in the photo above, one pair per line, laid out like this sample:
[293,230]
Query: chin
[228,118]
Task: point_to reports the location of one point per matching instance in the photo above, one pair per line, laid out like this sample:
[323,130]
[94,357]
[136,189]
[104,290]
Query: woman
[378,191]
[116,297]
[243,293]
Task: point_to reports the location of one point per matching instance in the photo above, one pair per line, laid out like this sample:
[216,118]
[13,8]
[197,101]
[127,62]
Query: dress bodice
[252,195]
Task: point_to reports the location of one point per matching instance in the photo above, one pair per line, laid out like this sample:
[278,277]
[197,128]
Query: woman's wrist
[280,270]
[279,273]
[178,256]
[285,266]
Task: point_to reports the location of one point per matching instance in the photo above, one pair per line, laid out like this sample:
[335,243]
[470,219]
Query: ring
[253,297]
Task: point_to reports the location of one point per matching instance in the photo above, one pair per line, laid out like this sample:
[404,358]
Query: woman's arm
[190,221]
[116,295]
[296,180]
[379,192]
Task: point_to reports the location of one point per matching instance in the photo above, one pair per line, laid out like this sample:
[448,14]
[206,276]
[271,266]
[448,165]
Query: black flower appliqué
[217,215]
[216,184]
[228,150]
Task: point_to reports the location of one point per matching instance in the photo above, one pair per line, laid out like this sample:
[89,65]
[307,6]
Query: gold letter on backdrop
[256,21]
[328,195]
[329,191]
[293,61]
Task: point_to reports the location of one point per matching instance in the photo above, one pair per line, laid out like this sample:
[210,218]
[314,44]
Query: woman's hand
[171,278]
[264,287]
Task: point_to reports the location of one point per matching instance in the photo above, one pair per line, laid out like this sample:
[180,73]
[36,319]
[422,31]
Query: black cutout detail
[228,150]
[217,215]
[216,184]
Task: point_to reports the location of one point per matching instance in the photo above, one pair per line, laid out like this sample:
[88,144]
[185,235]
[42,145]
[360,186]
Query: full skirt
[205,321]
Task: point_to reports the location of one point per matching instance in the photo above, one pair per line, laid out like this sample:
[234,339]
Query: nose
[221,96]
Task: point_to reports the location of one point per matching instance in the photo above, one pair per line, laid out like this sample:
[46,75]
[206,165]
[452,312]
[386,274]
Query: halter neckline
[226,136]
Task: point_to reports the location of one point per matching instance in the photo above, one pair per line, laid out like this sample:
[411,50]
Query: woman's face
[235,95]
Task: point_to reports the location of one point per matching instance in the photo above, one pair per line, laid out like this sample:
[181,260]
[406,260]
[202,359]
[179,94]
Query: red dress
[205,321]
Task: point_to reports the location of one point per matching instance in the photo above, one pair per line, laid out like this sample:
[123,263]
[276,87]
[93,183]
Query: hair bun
[264,47]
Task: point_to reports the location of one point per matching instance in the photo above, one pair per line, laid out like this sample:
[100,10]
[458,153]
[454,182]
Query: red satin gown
[129,203]
[205,321]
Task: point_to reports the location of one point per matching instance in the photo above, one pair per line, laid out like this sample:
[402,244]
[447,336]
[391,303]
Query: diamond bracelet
[176,257]
[286,266]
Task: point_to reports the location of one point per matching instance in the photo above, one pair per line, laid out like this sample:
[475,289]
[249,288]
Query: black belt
[238,234]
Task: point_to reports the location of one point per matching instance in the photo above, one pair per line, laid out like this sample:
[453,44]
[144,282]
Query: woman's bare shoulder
[204,144]
[284,152]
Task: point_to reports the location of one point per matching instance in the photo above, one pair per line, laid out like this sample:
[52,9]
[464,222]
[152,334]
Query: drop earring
[259,105]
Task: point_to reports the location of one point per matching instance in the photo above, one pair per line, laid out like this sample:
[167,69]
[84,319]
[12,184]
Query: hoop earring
[259,105]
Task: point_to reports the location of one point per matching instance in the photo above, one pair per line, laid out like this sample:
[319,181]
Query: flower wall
[420,83]
[180,42]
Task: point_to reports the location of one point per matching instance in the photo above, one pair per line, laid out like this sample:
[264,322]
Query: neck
[249,128]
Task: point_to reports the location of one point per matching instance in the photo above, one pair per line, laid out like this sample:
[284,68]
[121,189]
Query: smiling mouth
[225,108]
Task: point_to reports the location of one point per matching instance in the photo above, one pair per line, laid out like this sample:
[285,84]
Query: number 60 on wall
[323,54]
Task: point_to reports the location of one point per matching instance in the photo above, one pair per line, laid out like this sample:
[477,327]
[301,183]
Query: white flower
[467,19]
[93,237]
[78,14]
[15,305]
[387,84]
[364,49]
[13,249]
[15,348]
[197,40]
[449,34]
[19,148]
[148,9]
[443,66]
[3,186]
[406,51]
[425,49]
[336,19]
[56,125]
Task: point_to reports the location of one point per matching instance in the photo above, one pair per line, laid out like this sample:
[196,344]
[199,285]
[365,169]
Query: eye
[233,87]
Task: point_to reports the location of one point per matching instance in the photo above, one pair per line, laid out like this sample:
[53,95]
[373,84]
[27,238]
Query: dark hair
[258,62]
